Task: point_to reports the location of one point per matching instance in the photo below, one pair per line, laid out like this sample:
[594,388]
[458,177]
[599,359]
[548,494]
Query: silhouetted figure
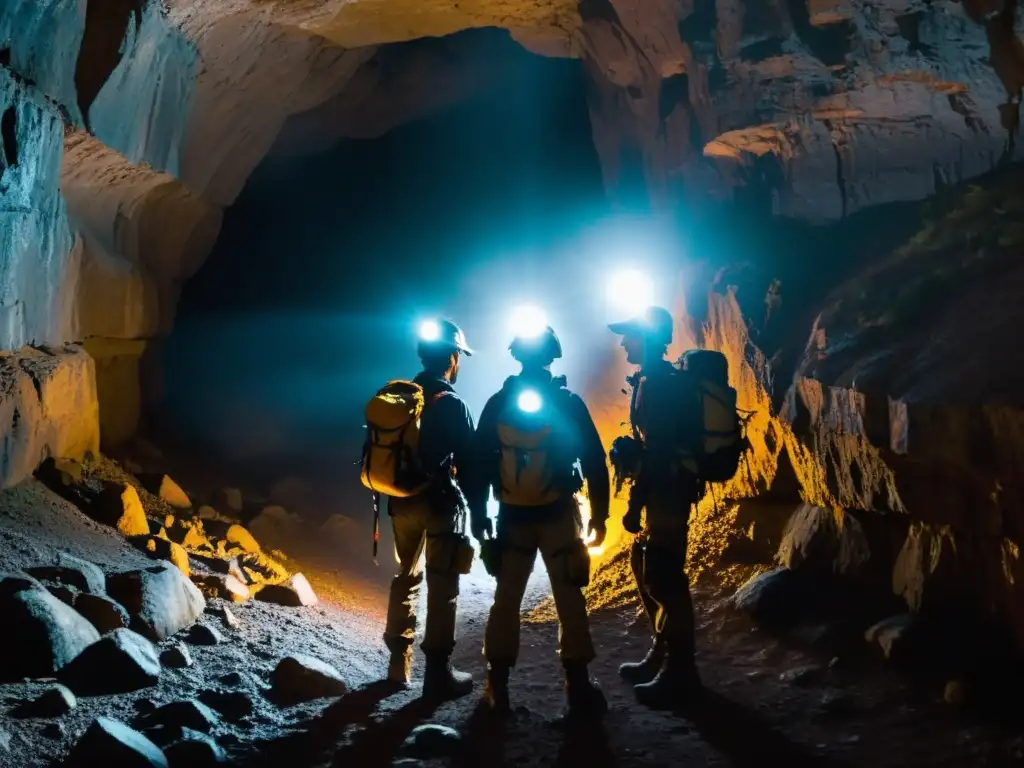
[664,488]
[418,453]
[530,437]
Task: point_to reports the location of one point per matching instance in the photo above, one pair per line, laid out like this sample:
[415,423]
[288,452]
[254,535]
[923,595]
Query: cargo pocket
[576,557]
[450,553]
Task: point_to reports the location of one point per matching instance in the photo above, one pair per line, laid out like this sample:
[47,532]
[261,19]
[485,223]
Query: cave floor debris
[769,699]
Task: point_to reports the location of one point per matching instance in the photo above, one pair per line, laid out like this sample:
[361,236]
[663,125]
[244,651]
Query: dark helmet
[654,324]
[441,336]
[543,346]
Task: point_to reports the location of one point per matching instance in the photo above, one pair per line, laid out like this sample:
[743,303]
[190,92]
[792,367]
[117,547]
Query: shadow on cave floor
[768,701]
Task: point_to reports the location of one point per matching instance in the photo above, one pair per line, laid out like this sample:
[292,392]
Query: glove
[631,521]
[598,531]
[482,528]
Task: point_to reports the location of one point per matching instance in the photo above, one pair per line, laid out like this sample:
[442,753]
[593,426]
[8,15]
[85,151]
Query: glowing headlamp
[430,330]
[529,401]
[630,291]
[528,322]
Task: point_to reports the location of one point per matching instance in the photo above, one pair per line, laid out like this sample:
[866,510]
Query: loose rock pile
[94,631]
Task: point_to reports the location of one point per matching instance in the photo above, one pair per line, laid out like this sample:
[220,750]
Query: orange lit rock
[118,505]
[168,490]
[295,593]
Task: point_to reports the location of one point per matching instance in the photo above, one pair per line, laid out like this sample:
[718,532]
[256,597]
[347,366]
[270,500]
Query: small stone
[203,634]
[801,675]
[144,706]
[229,619]
[294,593]
[191,535]
[227,587]
[303,678]
[132,467]
[55,731]
[776,597]
[432,741]
[176,657]
[184,714]
[195,750]
[206,512]
[232,679]
[53,702]
[233,705]
[896,636]
[168,490]
[119,662]
[102,612]
[119,506]
[954,693]
[111,743]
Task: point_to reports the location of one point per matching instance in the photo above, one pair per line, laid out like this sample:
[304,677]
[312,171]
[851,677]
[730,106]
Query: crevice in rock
[761,49]
[5,57]
[9,138]
[840,175]
[910,29]
[956,103]
[829,44]
[700,25]
[106,29]
[598,10]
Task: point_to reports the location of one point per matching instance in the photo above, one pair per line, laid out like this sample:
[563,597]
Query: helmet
[442,336]
[654,324]
[545,345]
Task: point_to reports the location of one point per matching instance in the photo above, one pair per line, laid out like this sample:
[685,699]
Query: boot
[441,681]
[400,667]
[496,688]
[677,686]
[639,672]
[584,694]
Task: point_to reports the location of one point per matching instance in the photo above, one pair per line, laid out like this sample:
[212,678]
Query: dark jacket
[584,436]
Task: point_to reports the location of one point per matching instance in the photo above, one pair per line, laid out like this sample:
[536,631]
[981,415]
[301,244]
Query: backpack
[536,463]
[722,442]
[391,463]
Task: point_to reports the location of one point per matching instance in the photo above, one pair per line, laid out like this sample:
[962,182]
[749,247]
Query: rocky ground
[145,628]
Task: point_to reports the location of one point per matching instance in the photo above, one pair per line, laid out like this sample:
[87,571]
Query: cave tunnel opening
[309,300]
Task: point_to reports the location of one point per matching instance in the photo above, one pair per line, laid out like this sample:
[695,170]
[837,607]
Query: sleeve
[476,480]
[593,462]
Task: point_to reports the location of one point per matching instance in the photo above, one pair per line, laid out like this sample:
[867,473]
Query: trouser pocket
[577,564]
[450,553]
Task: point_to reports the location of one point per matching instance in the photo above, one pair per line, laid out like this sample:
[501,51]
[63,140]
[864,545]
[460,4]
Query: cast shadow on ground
[378,744]
[309,746]
[745,739]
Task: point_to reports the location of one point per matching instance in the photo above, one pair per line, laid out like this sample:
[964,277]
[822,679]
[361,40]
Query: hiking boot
[584,694]
[639,672]
[400,667]
[441,681]
[675,687]
[496,688]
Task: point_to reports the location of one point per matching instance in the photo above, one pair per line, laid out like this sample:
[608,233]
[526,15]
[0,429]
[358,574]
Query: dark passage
[309,300]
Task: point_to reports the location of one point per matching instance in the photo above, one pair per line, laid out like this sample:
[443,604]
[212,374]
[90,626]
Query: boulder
[195,750]
[69,570]
[896,636]
[168,490]
[292,492]
[12,583]
[66,595]
[206,512]
[233,705]
[824,540]
[184,714]
[203,634]
[300,678]
[231,538]
[118,505]
[430,741]
[111,743]
[41,634]
[221,565]
[229,498]
[293,593]
[164,549]
[275,526]
[774,597]
[160,600]
[176,657]
[119,662]
[102,612]
[338,528]
[226,587]
[53,702]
